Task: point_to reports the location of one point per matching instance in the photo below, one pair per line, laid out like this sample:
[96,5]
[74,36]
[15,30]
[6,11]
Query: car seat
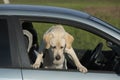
[31,40]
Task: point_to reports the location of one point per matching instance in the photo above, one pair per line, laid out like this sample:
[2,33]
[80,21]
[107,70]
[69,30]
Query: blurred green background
[107,10]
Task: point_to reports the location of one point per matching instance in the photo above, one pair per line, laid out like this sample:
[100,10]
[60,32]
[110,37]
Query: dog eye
[53,47]
[61,47]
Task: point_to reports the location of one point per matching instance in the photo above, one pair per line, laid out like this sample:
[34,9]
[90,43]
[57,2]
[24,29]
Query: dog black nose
[57,57]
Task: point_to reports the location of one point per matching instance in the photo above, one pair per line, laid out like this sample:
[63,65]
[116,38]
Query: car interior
[94,59]
[34,46]
[97,59]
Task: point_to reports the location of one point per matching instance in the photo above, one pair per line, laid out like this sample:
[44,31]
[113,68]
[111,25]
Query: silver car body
[47,12]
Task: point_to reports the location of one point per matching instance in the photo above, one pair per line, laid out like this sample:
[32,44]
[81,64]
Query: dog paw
[36,66]
[83,69]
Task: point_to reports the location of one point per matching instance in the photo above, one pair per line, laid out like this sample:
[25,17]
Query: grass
[107,10]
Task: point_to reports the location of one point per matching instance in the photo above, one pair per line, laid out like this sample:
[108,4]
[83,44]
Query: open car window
[93,51]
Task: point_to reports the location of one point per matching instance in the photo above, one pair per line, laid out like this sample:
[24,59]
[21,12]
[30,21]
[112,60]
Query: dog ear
[46,39]
[68,39]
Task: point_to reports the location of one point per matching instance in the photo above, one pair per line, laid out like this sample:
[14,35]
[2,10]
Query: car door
[67,75]
[47,74]
[9,63]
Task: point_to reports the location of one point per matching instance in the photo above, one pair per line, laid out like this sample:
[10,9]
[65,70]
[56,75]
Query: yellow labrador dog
[57,41]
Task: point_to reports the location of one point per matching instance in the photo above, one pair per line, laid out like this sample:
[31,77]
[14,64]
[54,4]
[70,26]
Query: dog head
[56,42]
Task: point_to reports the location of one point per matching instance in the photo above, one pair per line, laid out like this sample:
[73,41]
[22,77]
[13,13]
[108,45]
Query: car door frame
[29,73]
[13,71]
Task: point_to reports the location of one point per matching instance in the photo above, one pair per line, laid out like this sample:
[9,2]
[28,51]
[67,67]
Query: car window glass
[91,49]
[5,58]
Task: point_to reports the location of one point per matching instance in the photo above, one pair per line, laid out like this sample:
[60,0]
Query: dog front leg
[38,61]
[76,60]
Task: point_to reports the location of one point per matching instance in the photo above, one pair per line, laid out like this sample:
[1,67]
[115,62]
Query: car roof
[50,11]
[56,12]
[7,9]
